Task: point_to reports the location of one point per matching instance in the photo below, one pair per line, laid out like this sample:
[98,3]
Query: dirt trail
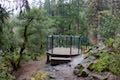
[28,69]
[59,72]
[65,71]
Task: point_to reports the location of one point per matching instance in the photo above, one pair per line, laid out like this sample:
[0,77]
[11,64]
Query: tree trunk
[25,41]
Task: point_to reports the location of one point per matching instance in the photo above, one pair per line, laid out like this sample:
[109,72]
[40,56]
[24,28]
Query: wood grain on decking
[64,51]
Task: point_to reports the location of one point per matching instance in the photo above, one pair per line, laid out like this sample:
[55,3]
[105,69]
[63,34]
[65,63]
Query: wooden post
[74,42]
[47,45]
[52,43]
[57,43]
[66,41]
[70,45]
[48,59]
[79,43]
[59,40]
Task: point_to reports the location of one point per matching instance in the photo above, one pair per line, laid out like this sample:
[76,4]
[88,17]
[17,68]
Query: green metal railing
[66,41]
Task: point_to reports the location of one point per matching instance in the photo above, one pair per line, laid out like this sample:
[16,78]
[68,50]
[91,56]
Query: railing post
[66,41]
[59,41]
[52,43]
[47,44]
[74,42]
[79,41]
[48,59]
[70,45]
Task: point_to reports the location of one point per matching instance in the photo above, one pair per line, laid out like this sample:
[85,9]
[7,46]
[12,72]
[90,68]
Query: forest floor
[28,69]
[58,72]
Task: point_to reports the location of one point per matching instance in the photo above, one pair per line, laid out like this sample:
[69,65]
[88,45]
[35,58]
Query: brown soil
[28,69]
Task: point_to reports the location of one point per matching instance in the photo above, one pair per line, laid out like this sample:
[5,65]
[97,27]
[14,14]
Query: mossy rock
[76,72]
[79,66]
[90,67]
[84,74]
[79,71]
[96,55]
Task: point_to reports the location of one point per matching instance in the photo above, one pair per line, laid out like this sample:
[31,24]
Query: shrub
[5,75]
[101,64]
[5,69]
[114,64]
[107,61]
[40,76]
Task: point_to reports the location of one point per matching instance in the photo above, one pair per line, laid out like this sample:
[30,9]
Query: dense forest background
[23,36]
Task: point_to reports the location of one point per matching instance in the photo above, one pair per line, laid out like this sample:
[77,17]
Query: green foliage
[26,33]
[113,44]
[5,69]
[70,16]
[117,44]
[4,75]
[109,26]
[110,42]
[102,63]
[3,20]
[12,57]
[114,64]
[38,26]
[37,30]
[40,76]
[84,41]
[33,42]
[107,62]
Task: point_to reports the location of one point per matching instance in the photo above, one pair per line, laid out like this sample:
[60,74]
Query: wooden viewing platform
[61,54]
[61,48]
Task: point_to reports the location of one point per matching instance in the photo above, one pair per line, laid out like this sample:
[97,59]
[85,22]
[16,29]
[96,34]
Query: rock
[89,67]
[96,78]
[51,77]
[76,72]
[91,78]
[84,74]
[96,56]
[79,66]
[113,77]
[79,71]
[79,75]
[69,65]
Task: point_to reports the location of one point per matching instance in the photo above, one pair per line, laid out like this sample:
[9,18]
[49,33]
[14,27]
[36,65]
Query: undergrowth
[108,61]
